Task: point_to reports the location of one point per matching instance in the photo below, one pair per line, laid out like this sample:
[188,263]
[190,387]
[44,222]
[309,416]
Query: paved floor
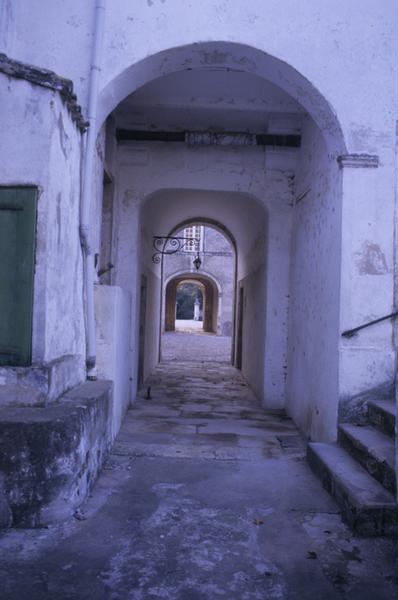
[203,497]
[199,346]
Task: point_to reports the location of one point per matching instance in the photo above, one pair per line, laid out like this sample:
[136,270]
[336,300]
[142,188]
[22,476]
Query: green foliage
[186,296]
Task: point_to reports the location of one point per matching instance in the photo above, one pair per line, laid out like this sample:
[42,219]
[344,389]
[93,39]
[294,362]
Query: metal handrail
[351,332]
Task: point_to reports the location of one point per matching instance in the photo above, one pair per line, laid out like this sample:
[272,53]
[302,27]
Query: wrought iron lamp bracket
[171,245]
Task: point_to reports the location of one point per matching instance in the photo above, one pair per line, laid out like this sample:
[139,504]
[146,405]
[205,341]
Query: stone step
[381,413]
[366,506]
[374,450]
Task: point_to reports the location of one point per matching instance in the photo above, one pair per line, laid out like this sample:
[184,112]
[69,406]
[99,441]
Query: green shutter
[17,259]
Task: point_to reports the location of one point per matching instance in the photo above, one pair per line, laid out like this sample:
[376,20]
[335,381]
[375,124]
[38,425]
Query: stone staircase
[359,471]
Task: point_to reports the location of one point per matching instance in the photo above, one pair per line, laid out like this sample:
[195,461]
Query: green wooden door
[18,208]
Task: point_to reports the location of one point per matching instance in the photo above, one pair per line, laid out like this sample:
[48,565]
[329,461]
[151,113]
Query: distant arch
[210,300]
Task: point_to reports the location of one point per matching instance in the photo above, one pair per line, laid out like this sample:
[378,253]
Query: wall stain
[7,18]
[128,197]
[63,137]
[33,107]
[74,21]
[59,218]
[371,260]
[366,137]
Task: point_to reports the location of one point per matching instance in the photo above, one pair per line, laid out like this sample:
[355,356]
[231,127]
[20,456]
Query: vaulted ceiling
[210,99]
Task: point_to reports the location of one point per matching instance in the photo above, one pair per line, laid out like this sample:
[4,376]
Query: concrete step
[216,446]
[373,449]
[366,506]
[381,413]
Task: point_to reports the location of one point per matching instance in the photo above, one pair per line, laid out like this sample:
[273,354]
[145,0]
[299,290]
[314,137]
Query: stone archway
[226,55]
[287,247]
[210,294]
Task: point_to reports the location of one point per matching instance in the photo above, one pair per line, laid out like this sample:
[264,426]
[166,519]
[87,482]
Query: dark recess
[137,135]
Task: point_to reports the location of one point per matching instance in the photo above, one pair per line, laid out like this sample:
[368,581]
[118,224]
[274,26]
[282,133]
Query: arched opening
[226,57]
[194,299]
[214,273]
[252,150]
[190,299]
[241,222]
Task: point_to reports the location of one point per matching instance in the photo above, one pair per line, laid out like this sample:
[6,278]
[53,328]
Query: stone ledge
[41,383]
[50,457]
[47,79]
[364,161]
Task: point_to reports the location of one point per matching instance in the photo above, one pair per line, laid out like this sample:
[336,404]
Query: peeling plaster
[47,79]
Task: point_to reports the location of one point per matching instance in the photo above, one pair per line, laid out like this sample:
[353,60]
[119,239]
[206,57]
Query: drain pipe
[87,188]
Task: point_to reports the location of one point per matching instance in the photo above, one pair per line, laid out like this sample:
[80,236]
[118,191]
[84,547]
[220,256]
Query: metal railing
[351,332]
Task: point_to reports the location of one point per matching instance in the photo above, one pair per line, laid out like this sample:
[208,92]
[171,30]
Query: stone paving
[199,346]
[204,496]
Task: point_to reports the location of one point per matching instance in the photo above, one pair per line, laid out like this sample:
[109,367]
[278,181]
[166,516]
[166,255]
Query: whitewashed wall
[312,368]
[42,148]
[367,360]
[112,312]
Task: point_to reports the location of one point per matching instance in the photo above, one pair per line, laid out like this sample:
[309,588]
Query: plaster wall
[254,342]
[112,312]
[127,273]
[367,360]
[42,148]
[152,322]
[312,373]
[277,300]
[172,183]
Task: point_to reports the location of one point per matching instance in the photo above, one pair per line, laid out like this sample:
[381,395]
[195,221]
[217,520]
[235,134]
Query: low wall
[112,315]
[40,383]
